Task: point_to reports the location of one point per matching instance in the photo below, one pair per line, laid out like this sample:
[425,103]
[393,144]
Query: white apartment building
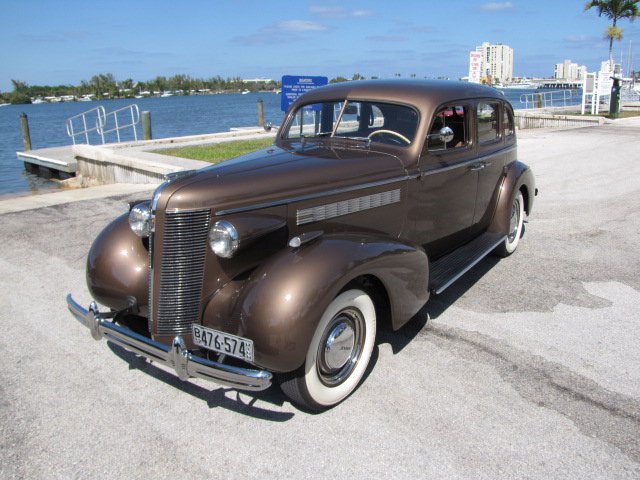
[496,62]
[569,71]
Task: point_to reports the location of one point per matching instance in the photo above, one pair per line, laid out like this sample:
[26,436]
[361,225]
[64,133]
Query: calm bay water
[170,117]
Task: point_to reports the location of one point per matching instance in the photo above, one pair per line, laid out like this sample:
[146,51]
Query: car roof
[424,94]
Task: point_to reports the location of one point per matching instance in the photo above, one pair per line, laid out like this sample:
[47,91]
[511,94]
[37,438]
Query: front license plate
[223,342]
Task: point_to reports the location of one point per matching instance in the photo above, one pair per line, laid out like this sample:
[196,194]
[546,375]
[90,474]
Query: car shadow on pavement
[435,307]
[243,402]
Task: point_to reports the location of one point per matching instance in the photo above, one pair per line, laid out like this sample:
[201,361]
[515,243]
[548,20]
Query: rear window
[488,125]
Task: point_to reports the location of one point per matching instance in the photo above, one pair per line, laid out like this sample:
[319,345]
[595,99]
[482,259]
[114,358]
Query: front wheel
[516,221]
[338,355]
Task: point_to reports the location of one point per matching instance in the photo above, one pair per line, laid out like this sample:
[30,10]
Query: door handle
[477,166]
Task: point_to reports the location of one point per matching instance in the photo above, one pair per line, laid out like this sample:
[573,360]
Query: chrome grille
[184,248]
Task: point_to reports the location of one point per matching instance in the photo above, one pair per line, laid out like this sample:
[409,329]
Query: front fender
[282,302]
[118,267]
[519,176]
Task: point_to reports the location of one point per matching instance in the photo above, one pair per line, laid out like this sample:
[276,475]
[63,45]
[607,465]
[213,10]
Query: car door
[446,192]
[495,141]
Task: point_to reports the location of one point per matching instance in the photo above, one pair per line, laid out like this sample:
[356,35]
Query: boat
[244,92]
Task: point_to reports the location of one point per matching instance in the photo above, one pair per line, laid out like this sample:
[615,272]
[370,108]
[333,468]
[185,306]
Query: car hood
[275,174]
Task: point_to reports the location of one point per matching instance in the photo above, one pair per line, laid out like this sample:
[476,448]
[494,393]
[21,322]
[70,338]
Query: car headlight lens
[140,220]
[223,239]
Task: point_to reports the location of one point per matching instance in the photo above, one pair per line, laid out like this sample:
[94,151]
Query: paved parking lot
[529,367]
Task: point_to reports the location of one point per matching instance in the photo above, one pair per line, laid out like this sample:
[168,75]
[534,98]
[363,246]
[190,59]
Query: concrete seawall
[142,162]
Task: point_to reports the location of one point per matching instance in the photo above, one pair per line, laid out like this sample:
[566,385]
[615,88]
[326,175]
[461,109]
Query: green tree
[614,10]
[20,86]
[103,83]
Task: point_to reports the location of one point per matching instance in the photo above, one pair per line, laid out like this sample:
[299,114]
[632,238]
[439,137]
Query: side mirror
[446,134]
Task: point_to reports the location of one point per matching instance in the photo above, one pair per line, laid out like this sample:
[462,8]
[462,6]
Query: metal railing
[85,127]
[103,123]
[553,98]
[629,95]
[129,112]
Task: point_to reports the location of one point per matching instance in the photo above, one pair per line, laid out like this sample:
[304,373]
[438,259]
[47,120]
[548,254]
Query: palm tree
[614,10]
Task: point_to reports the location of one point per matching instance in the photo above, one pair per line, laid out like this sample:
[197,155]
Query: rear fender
[282,302]
[518,176]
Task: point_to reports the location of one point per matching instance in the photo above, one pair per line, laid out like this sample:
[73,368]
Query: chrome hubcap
[340,347]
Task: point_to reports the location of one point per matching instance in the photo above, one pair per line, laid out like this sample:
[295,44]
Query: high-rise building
[496,62]
[570,71]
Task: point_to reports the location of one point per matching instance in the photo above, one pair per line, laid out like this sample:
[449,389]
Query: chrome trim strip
[346,207]
[313,196]
[176,356]
[467,162]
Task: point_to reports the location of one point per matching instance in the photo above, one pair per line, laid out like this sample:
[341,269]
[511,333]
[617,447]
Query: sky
[64,42]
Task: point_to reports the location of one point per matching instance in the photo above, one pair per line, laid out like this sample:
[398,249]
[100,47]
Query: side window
[349,123]
[453,118]
[507,121]
[488,126]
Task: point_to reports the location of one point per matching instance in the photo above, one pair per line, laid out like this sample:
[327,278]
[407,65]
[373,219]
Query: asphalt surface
[528,367]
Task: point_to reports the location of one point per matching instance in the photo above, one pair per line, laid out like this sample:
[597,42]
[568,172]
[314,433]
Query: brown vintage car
[283,262]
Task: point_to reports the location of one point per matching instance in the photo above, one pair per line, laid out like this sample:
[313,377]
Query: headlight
[140,219]
[223,239]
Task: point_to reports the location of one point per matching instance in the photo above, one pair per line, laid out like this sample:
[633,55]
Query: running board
[451,267]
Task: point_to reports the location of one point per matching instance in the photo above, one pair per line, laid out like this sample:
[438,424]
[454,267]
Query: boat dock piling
[26,135]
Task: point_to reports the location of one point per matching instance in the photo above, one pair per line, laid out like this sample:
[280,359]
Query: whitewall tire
[338,354]
[516,223]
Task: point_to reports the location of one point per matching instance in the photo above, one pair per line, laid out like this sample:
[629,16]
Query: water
[517,96]
[170,117]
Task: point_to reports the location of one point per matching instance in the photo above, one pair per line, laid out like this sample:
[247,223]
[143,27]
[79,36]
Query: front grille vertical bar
[151,242]
[181,269]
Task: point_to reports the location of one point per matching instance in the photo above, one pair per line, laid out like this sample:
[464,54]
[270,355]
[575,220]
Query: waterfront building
[569,71]
[495,63]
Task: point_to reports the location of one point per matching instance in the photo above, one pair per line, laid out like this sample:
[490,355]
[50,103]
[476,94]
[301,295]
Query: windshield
[364,121]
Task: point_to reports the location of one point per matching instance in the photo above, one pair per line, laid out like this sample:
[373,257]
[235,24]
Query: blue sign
[293,87]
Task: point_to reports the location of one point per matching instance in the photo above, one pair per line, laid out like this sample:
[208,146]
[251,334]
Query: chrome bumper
[175,356]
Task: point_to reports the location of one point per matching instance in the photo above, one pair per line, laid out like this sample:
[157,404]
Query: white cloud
[497,6]
[338,12]
[301,26]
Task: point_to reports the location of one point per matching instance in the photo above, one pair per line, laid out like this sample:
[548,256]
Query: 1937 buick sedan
[282,263]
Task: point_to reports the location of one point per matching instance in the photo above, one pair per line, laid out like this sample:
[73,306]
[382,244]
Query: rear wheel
[516,221]
[338,355]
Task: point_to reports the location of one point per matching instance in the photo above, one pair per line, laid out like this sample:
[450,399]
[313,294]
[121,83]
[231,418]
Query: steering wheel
[390,132]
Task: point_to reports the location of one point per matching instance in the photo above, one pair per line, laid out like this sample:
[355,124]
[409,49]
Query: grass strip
[218,152]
